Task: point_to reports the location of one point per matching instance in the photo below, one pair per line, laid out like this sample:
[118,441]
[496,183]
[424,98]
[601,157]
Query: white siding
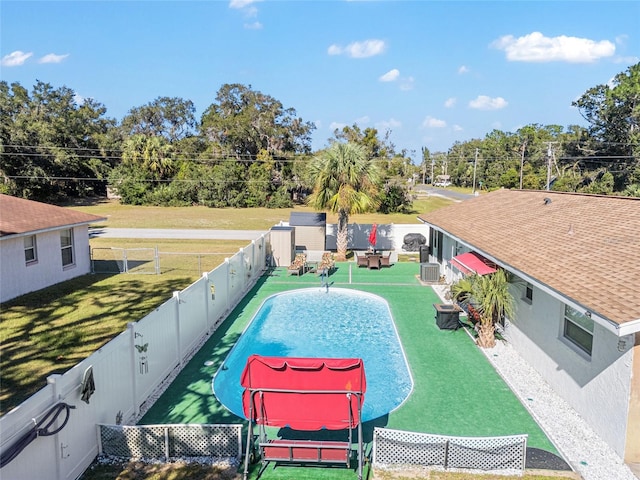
[18,278]
[597,388]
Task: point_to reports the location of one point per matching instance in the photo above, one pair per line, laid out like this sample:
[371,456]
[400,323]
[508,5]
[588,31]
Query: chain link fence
[151,261]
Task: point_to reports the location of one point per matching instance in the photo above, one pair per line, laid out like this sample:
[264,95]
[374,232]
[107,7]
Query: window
[528,294]
[578,329]
[30,250]
[66,244]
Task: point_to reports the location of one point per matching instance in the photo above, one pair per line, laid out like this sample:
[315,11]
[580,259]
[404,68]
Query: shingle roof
[586,247]
[20,216]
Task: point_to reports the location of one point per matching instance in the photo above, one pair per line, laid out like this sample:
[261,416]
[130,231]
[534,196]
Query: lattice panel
[160,441]
[395,447]
[132,442]
[204,441]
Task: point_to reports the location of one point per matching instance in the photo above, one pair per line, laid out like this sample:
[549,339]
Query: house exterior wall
[598,388]
[18,278]
[632,453]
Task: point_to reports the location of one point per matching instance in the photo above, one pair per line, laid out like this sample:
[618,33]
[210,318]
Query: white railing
[126,371]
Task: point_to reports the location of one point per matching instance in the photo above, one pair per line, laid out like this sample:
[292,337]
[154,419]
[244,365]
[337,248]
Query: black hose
[41,429]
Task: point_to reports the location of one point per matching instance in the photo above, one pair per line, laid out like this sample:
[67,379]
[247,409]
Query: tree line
[247,149]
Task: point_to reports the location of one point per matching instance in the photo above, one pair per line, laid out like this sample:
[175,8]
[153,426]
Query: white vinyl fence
[126,371]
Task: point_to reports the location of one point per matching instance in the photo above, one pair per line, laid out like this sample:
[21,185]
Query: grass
[142,471]
[51,330]
[128,216]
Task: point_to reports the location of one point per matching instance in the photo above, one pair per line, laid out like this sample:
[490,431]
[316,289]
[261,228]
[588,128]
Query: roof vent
[547,200]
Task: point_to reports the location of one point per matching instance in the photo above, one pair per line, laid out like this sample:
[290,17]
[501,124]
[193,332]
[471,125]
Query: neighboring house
[576,263]
[40,245]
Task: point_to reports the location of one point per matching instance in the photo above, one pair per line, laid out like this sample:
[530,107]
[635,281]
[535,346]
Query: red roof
[20,216]
[471,262]
[303,393]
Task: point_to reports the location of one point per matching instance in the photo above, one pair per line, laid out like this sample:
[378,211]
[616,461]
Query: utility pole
[549,159]
[475,165]
[524,147]
[433,164]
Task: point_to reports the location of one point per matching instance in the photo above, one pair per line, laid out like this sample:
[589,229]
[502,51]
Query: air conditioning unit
[430,272]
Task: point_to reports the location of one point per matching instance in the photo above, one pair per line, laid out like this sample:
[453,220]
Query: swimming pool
[314,322]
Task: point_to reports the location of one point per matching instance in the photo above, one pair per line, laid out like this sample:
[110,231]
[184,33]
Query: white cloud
[253,26]
[79,99]
[430,122]
[627,60]
[463,69]
[367,48]
[336,125]
[388,124]
[457,128]
[240,4]
[450,102]
[390,76]
[52,58]
[15,59]
[535,47]
[363,120]
[248,10]
[406,84]
[483,102]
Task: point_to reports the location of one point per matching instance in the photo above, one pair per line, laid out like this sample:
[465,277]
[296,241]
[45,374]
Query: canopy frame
[344,411]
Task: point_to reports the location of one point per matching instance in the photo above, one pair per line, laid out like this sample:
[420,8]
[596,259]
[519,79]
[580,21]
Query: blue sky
[431,73]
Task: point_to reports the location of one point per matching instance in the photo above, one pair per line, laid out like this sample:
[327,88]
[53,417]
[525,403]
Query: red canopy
[471,262]
[303,393]
[373,235]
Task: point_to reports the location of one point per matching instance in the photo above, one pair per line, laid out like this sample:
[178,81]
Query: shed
[311,230]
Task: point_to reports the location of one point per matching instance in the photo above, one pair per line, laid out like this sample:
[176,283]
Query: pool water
[314,322]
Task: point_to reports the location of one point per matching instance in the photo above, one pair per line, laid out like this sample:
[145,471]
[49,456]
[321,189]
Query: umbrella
[373,235]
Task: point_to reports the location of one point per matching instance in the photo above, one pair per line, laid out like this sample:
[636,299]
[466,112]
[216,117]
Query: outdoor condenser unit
[430,272]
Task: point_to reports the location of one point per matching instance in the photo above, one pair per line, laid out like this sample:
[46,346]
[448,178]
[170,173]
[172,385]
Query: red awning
[303,393]
[471,262]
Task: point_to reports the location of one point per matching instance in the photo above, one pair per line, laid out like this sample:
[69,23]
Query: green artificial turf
[456,390]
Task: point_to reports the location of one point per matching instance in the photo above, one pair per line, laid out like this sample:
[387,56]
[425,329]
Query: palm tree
[345,181]
[491,297]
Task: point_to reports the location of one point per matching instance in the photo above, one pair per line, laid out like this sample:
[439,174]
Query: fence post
[228,277]
[157,260]
[206,292]
[176,298]
[57,446]
[132,369]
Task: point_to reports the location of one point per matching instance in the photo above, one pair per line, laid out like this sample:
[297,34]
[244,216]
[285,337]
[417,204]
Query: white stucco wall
[18,278]
[598,387]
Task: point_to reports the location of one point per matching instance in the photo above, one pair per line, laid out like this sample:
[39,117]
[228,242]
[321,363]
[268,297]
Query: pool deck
[456,390]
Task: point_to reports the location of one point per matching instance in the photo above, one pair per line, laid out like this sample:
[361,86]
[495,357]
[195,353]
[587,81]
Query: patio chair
[362,260]
[297,266]
[373,261]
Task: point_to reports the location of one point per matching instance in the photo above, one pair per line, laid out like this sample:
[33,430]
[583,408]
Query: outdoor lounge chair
[327,264]
[298,265]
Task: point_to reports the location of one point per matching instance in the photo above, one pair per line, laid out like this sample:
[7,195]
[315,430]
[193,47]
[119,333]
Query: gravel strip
[580,445]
